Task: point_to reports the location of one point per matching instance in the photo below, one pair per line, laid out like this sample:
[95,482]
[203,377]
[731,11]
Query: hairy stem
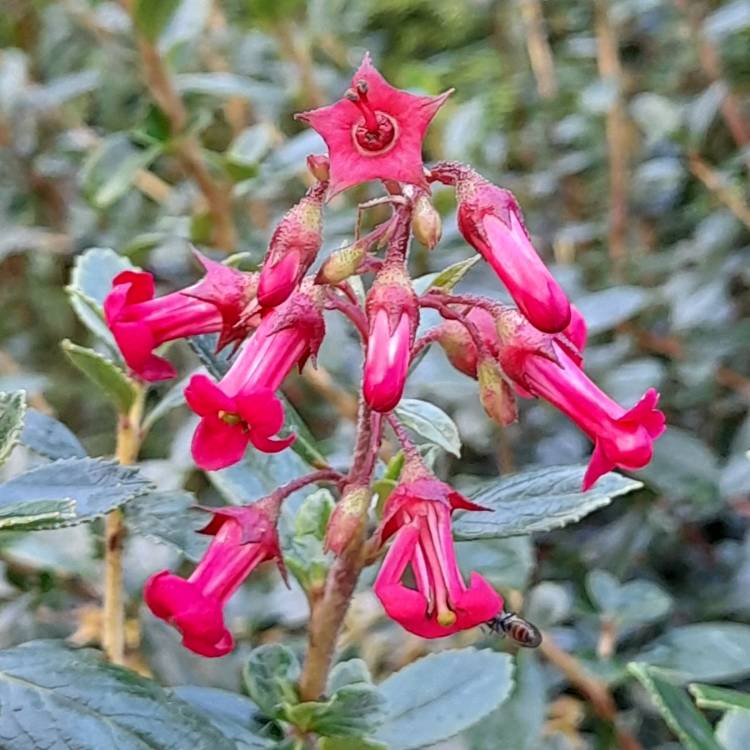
[329,608]
[126,452]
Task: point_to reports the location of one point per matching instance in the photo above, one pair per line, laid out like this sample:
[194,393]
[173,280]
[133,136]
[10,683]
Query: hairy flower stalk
[140,323]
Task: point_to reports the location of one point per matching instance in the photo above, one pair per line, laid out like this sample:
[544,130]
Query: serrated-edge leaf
[719,698]
[431,423]
[104,373]
[12,415]
[511,510]
[270,676]
[39,514]
[668,698]
[55,482]
[56,696]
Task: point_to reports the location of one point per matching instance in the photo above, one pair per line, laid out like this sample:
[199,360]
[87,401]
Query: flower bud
[293,247]
[426,223]
[347,522]
[393,316]
[341,264]
[319,167]
[495,393]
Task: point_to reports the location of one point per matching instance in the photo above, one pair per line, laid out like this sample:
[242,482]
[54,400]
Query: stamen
[377,131]
[228,417]
[358,97]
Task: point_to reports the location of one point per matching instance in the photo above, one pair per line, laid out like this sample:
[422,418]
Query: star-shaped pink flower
[375,132]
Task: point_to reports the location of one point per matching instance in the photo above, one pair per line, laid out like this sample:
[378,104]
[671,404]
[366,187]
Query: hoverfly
[513,626]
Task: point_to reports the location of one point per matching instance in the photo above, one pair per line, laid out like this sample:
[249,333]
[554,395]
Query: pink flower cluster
[275,317]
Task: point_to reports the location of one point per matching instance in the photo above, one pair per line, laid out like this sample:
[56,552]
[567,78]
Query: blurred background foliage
[623,126]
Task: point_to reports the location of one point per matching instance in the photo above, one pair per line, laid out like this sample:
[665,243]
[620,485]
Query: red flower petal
[204,397]
[217,444]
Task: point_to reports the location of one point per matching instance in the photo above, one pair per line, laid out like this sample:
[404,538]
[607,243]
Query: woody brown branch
[215,192]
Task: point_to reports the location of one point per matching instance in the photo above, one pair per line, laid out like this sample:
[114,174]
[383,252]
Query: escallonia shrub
[275,318]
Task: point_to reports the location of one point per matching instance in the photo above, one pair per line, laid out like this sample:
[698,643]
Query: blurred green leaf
[113,383]
[431,423]
[441,695]
[152,16]
[733,730]
[112,167]
[93,486]
[448,278]
[618,601]
[711,651]
[12,413]
[536,501]
[676,708]
[721,699]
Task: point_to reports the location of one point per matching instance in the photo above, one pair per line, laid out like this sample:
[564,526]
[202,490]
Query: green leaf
[615,600]
[93,486]
[36,514]
[235,716]
[169,518]
[174,397]
[350,743]
[538,500]
[610,307]
[722,699]
[270,676]
[152,16]
[105,374]
[249,148]
[676,708]
[353,711]
[109,171]
[711,651]
[217,365]
[90,283]
[57,697]
[517,724]
[446,279]
[12,413]
[443,694]
[50,438]
[431,423]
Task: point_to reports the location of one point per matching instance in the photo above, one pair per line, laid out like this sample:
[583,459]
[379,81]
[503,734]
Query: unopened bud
[426,223]
[459,347]
[319,167]
[341,264]
[495,393]
[347,522]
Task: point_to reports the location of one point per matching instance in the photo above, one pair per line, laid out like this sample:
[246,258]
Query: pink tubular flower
[141,323]
[375,132]
[243,537]
[243,408]
[293,247]
[393,316]
[419,512]
[546,366]
[491,222]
